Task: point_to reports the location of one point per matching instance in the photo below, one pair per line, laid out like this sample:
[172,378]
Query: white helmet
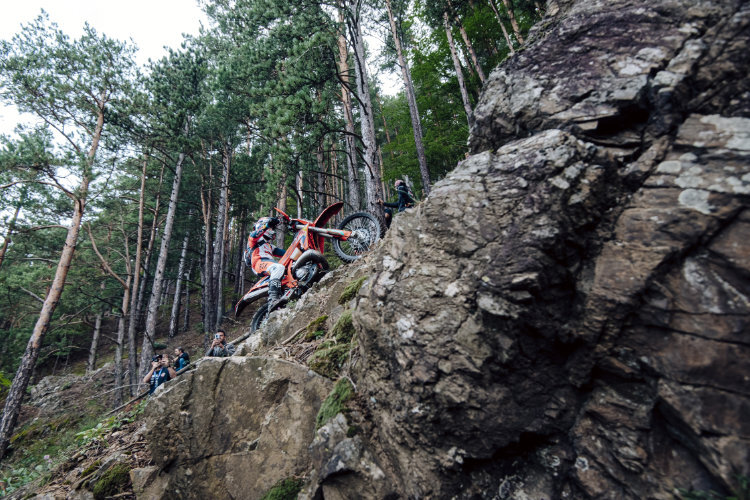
[263,223]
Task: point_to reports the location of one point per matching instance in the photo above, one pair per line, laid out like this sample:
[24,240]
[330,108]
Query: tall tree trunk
[349,139]
[320,177]
[91,364]
[207,290]
[416,121]
[28,361]
[298,187]
[459,74]
[513,22]
[385,124]
[178,287]
[164,292]
[120,342]
[280,232]
[502,26]
[9,232]
[472,53]
[221,220]
[367,119]
[147,350]
[239,279]
[93,349]
[136,297]
[186,319]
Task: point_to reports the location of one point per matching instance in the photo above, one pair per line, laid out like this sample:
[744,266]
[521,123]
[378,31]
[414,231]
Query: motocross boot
[274,294]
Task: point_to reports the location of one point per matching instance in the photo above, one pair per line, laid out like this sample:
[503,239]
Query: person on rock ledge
[182,359]
[219,347]
[160,372]
[405,200]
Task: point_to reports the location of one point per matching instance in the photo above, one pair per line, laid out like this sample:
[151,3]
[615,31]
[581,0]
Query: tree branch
[37,297]
[105,264]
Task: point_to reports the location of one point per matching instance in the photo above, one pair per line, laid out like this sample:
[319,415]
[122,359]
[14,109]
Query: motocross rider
[260,253]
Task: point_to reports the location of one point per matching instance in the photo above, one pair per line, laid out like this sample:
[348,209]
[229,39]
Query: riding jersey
[262,250]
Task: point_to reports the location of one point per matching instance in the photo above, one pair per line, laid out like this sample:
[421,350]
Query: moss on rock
[286,489]
[329,359]
[112,482]
[316,328]
[91,468]
[335,403]
[343,330]
[351,290]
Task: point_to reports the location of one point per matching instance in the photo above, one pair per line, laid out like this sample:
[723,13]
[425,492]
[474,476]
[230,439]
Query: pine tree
[69,84]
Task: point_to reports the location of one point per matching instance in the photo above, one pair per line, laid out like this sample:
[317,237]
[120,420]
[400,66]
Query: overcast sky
[151,24]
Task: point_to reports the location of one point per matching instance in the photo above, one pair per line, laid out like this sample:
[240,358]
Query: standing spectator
[182,360]
[219,347]
[160,372]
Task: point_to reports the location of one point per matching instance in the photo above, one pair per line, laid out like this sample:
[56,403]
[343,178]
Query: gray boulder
[232,428]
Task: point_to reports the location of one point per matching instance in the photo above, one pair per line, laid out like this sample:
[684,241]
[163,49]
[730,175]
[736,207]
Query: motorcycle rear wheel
[365,230]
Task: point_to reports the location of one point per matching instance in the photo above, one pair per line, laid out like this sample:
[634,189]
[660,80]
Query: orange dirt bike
[304,260]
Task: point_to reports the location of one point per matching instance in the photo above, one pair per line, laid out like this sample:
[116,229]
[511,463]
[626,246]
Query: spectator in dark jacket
[182,360]
[405,200]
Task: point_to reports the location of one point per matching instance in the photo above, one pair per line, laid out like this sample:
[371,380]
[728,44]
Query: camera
[217,336]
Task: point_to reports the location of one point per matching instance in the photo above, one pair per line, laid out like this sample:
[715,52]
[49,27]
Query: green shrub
[112,482]
[342,392]
[351,290]
[286,489]
[343,330]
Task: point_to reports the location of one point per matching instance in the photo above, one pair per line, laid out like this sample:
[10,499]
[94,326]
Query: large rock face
[567,315]
[232,428]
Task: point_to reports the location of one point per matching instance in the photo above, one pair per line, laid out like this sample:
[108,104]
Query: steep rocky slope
[565,317]
[570,307]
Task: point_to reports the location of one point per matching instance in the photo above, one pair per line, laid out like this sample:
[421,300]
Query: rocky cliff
[565,317]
